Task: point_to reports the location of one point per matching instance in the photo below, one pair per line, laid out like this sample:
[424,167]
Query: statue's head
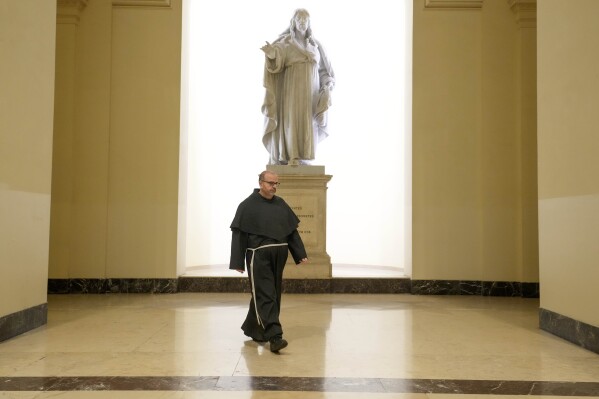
[301,22]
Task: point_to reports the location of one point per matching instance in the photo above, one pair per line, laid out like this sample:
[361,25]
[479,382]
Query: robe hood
[271,218]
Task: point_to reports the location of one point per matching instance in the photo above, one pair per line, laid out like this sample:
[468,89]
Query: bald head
[268,181]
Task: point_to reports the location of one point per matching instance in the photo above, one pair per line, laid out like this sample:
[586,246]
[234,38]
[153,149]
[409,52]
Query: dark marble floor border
[298,286]
[22,321]
[300,384]
[577,332]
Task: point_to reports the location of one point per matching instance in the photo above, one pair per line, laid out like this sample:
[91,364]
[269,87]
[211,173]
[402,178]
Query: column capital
[67,11]
[526,12]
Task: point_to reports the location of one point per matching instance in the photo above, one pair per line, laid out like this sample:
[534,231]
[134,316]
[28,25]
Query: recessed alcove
[368,151]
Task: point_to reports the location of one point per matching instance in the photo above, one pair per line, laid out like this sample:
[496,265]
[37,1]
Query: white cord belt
[252,274]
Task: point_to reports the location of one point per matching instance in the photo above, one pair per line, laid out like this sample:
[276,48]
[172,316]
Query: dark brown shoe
[277,344]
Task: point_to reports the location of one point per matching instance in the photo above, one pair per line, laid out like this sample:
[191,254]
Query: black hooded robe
[260,221]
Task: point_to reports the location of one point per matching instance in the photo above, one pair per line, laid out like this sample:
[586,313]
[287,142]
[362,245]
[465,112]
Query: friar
[264,231]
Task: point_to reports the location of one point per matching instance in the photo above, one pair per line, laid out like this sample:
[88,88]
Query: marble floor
[189,345]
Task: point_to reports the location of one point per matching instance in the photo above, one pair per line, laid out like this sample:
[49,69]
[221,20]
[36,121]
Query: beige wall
[27,29]
[568,161]
[115,202]
[474,207]
[114,194]
[474,154]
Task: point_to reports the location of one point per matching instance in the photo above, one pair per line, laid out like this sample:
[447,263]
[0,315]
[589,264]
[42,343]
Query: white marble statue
[298,79]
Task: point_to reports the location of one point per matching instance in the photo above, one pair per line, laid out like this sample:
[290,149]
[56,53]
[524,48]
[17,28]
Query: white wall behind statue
[368,151]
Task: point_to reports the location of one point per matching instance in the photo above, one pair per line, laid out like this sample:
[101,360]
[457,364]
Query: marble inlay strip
[20,322]
[577,332]
[301,384]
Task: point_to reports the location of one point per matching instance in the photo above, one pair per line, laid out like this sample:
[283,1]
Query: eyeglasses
[272,183]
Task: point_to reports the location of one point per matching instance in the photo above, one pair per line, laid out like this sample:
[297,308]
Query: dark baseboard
[22,321]
[363,285]
[113,285]
[577,332]
[301,286]
[481,288]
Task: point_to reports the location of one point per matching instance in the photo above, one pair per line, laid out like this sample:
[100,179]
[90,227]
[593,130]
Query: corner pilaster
[526,129]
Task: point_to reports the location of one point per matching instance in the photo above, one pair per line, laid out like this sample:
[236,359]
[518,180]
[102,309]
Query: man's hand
[305,260]
[240,270]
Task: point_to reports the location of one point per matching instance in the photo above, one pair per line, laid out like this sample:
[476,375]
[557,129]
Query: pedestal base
[304,188]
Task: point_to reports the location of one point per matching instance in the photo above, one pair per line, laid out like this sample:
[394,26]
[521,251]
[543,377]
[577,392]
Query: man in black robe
[264,232]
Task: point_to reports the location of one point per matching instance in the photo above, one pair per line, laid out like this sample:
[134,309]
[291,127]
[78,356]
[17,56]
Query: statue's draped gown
[296,100]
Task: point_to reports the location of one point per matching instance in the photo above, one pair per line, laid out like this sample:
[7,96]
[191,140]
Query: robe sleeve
[239,241]
[296,247]
[325,70]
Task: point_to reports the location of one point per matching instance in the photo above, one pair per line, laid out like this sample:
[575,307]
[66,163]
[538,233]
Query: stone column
[304,188]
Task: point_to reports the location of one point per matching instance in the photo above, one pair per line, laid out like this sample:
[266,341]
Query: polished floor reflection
[339,270]
[340,346]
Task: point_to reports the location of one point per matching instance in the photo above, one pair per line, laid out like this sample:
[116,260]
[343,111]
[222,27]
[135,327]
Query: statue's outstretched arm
[269,50]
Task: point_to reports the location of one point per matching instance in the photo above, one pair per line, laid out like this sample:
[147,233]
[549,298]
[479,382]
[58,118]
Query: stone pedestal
[304,188]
